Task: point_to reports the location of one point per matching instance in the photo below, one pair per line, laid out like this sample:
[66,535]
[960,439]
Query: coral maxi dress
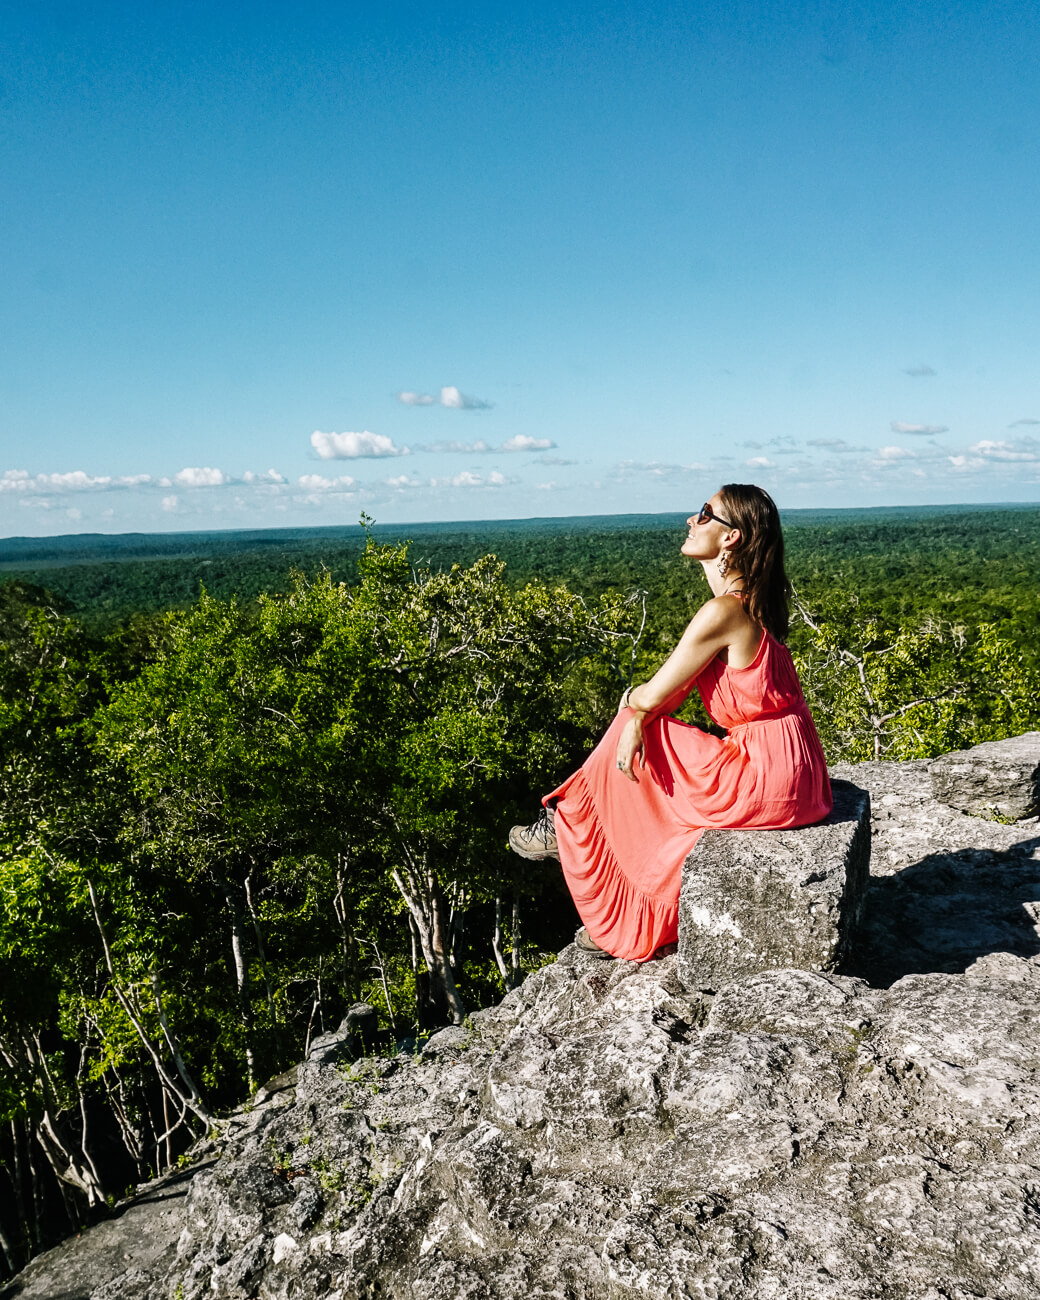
[622,845]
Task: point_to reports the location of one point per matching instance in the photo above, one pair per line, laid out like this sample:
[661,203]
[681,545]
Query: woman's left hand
[630,747]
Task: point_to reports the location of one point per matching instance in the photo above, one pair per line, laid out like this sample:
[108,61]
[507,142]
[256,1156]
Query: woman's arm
[710,630]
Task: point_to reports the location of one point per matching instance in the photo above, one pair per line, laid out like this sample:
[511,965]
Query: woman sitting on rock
[623,824]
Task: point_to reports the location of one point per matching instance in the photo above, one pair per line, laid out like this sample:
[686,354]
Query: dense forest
[248,780]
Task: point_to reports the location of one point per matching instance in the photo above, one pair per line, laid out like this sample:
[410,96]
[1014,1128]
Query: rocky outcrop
[999,779]
[760,900]
[873,1135]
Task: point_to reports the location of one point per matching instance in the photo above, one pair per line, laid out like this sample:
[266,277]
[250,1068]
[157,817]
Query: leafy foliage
[228,816]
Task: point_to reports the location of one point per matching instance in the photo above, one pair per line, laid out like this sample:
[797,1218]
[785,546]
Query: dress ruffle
[619,916]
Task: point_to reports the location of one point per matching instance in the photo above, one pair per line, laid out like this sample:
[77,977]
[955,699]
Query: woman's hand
[630,747]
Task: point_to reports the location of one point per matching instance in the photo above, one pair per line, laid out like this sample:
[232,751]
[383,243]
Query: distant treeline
[978,565]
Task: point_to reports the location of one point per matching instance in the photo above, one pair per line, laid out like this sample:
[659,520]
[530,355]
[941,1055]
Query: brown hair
[759,556]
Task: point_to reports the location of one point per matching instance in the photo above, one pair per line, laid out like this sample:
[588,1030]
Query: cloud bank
[354,446]
[520,442]
[201,477]
[900,426]
[449,396]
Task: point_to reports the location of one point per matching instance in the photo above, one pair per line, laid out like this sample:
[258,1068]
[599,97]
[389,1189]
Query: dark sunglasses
[705,513]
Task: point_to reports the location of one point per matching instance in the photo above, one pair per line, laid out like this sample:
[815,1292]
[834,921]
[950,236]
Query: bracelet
[625,698]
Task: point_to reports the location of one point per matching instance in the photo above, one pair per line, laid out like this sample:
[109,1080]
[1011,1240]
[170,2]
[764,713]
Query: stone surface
[761,900]
[604,1134]
[357,1034]
[1000,778]
[118,1259]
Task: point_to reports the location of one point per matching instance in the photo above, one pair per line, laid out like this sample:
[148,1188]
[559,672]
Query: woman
[624,823]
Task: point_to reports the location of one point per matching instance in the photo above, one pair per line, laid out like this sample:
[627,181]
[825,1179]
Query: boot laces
[543,828]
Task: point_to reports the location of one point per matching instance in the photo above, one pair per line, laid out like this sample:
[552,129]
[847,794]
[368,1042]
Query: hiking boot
[584,944]
[536,841]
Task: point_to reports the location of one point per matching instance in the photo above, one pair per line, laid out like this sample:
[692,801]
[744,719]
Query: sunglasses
[705,513]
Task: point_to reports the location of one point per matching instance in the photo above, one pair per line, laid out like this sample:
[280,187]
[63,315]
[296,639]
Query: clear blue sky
[610,255]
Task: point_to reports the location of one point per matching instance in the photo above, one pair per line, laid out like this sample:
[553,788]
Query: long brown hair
[759,556]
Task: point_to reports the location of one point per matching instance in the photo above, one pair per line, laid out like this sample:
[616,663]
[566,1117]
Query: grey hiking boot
[538,840]
[585,944]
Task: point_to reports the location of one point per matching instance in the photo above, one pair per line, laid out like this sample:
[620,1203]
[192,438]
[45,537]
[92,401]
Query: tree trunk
[66,1167]
[261,950]
[11,1261]
[514,943]
[241,979]
[496,945]
[348,942]
[192,1100]
[426,905]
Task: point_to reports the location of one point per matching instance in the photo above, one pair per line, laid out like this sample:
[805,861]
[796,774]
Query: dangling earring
[723,564]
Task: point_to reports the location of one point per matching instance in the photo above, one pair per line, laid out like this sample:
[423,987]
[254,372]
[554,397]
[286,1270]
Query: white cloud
[354,446]
[204,476]
[401,481]
[965,463]
[889,455]
[658,469]
[467,479]
[319,483]
[900,426]
[269,476]
[77,480]
[449,396]
[760,462]
[554,460]
[458,448]
[919,372]
[523,442]
[456,401]
[1027,449]
[169,503]
[831,444]
[520,442]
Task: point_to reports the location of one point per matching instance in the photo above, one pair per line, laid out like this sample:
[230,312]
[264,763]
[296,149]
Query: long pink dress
[622,845]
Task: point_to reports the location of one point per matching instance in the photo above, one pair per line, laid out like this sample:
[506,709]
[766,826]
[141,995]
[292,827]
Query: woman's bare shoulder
[721,614]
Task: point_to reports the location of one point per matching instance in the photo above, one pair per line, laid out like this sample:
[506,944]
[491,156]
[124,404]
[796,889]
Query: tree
[912,689]
[350,741]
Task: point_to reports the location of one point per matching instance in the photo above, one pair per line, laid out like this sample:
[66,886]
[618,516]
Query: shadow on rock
[948,910]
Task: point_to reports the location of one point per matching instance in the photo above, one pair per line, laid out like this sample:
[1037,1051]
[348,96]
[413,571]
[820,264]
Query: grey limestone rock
[358,1033]
[1000,778]
[760,900]
[604,1134]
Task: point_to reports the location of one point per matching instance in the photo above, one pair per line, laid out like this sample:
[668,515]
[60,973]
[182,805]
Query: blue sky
[278,264]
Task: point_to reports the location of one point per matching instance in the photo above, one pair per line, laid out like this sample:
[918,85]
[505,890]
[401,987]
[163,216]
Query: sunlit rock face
[999,779]
[606,1132]
[762,900]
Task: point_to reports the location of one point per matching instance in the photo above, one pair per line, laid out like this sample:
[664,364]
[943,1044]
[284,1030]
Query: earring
[723,564]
